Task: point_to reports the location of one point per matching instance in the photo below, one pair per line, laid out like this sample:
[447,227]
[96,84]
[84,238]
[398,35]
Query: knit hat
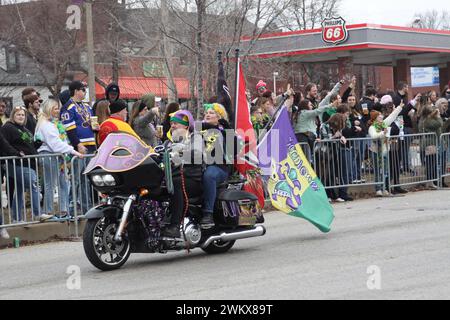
[149,100]
[117,106]
[386,100]
[261,84]
[183,117]
[217,108]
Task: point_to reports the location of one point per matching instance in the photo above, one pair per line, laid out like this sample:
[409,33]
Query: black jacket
[398,98]
[31,123]
[20,139]
[229,152]
[406,118]
[5,148]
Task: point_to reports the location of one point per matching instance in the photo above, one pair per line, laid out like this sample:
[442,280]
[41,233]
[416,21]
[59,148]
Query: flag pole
[236,92]
[219,59]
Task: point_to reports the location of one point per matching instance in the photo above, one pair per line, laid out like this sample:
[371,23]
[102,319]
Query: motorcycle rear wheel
[218,247]
[99,245]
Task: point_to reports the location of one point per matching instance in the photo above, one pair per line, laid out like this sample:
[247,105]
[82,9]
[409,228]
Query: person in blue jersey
[76,119]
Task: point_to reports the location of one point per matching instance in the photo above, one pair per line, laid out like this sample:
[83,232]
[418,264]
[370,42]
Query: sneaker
[348,199]
[340,200]
[4,234]
[207,220]
[44,217]
[172,231]
[379,193]
[400,191]
[386,193]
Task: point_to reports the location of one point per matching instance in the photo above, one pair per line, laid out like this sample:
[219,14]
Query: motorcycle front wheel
[101,249]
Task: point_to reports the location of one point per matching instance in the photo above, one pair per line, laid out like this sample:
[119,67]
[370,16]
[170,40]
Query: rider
[179,135]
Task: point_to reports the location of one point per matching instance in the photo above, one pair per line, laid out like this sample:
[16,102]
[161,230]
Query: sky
[391,12]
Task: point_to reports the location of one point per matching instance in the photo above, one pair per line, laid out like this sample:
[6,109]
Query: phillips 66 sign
[334,30]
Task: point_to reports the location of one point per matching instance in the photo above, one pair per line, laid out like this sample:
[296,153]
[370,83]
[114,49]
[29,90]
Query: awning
[135,87]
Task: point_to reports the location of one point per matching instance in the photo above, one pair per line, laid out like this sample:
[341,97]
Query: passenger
[218,157]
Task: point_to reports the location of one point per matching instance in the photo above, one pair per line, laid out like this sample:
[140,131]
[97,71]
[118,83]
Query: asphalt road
[402,242]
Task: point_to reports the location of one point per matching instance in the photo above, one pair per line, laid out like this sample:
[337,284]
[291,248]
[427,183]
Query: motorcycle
[136,185]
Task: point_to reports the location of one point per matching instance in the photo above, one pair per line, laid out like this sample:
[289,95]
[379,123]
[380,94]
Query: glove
[225,124]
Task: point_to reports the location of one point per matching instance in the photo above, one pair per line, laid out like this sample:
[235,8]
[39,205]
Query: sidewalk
[42,232]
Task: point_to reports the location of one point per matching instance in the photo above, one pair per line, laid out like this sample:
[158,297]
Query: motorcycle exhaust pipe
[258,231]
[123,222]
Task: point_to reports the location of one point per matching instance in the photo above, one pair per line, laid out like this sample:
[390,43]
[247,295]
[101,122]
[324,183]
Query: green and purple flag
[293,185]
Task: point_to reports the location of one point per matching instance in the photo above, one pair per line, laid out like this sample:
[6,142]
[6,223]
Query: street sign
[424,77]
[334,30]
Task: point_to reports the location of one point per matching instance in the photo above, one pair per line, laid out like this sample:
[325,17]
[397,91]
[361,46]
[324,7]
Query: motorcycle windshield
[120,152]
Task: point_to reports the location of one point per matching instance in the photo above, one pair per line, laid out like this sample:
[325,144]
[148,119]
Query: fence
[47,173]
[341,165]
[387,164]
[46,184]
[444,157]
[82,195]
[383,164]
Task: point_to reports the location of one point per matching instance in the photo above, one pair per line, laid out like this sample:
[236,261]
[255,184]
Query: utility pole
[90,50]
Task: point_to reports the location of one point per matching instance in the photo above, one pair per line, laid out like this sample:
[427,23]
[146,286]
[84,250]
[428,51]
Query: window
[12,59]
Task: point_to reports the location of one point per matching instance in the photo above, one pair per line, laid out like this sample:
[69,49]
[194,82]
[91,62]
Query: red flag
[248,164]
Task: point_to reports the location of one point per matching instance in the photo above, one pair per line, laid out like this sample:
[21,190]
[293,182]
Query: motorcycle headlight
[109,180]
[106,180]
[97,181]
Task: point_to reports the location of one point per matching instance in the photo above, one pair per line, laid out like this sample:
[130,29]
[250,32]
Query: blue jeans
[345,171]
[212,178]
[358,155]
[54,175]
[82,188]
[23,177]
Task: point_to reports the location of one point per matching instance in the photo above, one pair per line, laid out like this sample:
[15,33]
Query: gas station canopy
[363,44]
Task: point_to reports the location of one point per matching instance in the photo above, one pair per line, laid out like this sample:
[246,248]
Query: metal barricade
[356,163]
[82,195]
[306,151]
[33,186]
[444,154]
[413,159]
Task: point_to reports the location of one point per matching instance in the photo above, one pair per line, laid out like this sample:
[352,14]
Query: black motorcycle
[136,186]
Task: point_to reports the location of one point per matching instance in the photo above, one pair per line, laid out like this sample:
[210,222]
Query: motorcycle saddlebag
[240,208]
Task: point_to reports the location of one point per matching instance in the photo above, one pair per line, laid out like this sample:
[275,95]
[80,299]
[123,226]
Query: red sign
[334,30]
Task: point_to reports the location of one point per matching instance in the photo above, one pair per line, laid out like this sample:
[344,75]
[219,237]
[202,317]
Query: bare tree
[308,14]
[39,31]
[433,19]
